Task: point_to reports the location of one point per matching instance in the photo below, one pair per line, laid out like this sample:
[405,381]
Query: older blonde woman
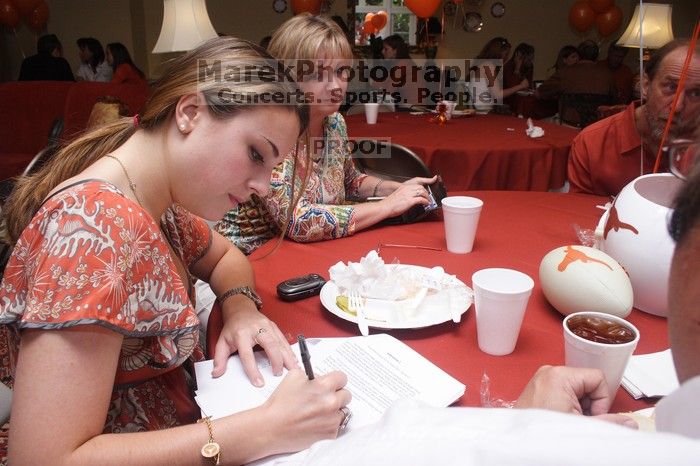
[326,177]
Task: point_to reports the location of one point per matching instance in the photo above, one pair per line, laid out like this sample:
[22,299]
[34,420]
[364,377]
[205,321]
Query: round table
[484,152]
[516,230]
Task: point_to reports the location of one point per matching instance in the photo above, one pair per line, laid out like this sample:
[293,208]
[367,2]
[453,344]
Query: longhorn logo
[614,223]
[572,255]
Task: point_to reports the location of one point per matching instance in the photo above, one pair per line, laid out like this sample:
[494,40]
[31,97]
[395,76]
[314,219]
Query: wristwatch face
[498,9]
[280,6]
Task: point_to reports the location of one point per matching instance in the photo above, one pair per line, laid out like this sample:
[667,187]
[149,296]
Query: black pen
[305,357]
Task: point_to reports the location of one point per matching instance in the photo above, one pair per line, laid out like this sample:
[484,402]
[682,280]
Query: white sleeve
[412,434]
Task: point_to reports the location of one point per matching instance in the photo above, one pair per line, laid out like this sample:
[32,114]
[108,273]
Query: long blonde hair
[226,94]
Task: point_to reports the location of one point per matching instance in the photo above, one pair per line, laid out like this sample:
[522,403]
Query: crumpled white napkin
[377,280]
[532,130]
[396,292]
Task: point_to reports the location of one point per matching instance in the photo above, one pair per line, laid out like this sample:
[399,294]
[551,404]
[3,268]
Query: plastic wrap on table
[485,393]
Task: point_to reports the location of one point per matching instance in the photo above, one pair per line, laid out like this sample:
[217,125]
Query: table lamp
[186,24]
[650,28]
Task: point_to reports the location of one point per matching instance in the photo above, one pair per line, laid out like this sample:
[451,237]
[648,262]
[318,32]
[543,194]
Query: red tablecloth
[479,151]
[516,230]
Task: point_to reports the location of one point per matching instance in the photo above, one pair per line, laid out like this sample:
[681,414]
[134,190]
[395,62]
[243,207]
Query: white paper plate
[433,310]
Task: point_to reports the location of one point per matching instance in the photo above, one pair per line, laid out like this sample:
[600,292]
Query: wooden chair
[6,187]
[580,110]
[389,161]
[605,111]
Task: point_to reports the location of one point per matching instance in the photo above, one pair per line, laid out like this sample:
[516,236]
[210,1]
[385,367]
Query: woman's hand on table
[406,196]
[304,411]
[420,181]
[244,328]
[571,390]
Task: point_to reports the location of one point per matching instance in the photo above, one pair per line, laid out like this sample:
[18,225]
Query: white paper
[650,375]
[380,370]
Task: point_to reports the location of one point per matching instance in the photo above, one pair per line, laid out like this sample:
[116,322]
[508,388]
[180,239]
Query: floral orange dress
[91,256]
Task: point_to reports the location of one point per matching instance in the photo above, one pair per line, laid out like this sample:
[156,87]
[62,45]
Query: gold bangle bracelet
[211,449]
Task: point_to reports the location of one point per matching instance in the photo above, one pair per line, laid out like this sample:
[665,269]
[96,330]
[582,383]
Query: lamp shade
[650,27]
[186,24]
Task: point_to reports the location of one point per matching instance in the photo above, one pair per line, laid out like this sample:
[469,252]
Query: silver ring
[262,330]
[347,414]
[418,192]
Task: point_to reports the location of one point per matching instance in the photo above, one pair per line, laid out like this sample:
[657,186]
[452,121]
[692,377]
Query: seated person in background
[323,211]
[622,74]
[93,66]
[606,155]
[98,328]
[568,55]
[48,64]
[124,70]
[518,68]
[395,54]
[584,77]
[412,434]
[484,87]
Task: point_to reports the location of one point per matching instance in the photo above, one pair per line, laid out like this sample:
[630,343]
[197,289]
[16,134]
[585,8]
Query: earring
[182,127]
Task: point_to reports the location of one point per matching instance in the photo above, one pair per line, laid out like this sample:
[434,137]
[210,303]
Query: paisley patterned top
[323,212]
[92,256]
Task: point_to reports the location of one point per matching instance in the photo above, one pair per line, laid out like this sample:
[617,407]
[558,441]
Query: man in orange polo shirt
[606,155]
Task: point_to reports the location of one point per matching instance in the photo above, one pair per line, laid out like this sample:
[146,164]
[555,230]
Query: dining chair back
[580,110]
[384,107]
[393,162]
[605,111]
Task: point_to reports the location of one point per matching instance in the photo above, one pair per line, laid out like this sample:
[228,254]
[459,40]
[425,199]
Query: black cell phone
[300,287]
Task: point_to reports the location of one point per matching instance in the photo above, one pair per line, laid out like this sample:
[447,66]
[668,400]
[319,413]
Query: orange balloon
[379,20]
[9,16]
[25,7]
[368,17]
[601,6]
[581,16]
[423,8]
[609,22]
[39,16]
[312,6]
[368,28]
